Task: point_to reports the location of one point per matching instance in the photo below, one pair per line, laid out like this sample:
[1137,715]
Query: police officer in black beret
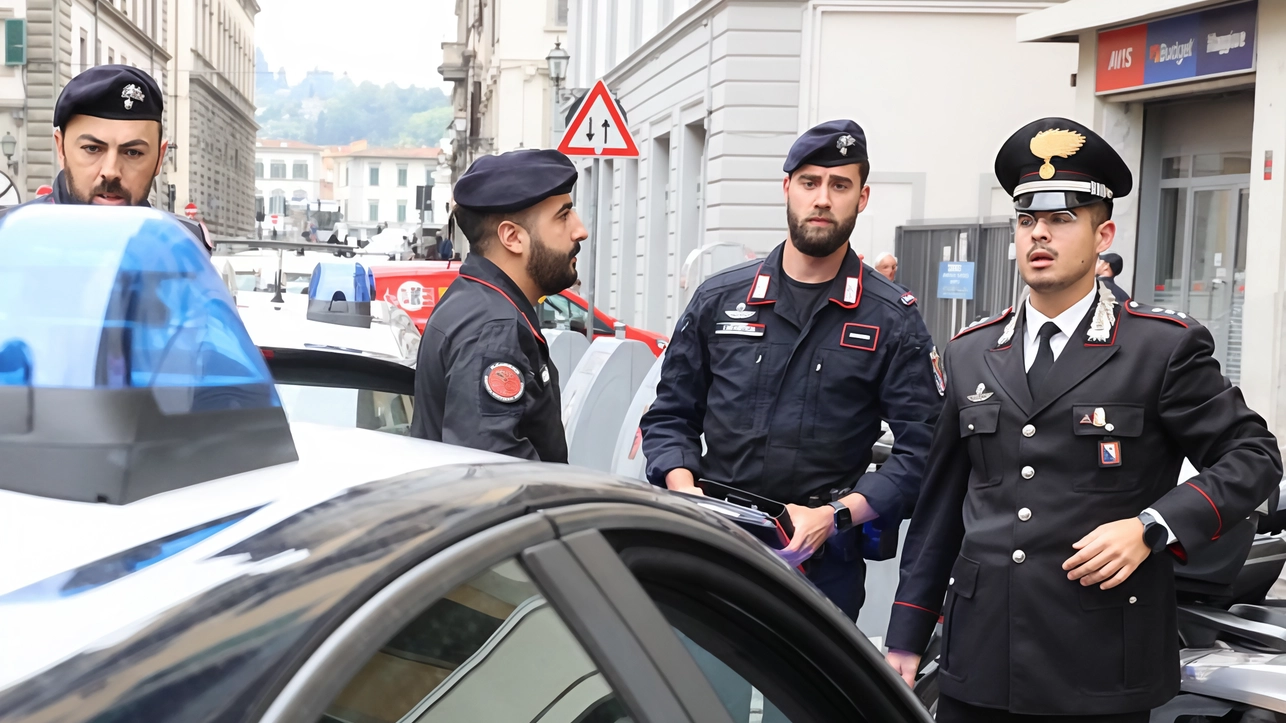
[1110,266]
[787,365]
[1050,516]
[484,377]
[107,129]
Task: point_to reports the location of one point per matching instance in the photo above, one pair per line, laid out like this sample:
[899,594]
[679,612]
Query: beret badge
[1055,142]
[843,143]
[131,93]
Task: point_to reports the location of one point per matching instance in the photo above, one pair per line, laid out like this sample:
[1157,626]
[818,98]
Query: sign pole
[593,247]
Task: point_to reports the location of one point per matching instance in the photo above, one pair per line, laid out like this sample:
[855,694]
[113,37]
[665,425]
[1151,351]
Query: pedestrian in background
[887,264]
[1110,266]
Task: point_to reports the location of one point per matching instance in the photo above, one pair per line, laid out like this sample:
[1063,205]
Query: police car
[173,548]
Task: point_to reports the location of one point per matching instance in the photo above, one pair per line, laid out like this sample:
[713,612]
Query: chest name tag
[860,336]
[739,329]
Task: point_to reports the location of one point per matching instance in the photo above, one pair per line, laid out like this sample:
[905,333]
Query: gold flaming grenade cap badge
[1052,143]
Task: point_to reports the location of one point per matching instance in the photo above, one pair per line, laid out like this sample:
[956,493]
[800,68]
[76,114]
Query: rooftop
[292,145]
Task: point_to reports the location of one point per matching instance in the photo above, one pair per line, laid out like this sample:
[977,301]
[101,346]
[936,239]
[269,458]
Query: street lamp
[9,145]
[557,60]
[428,195]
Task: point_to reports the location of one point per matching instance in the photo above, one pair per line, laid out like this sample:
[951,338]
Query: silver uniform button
[1028,473]
[1133,599]
[970,427]
[1024,514]
[952,581]
[1109,426]
[1028,430]
[1019,556]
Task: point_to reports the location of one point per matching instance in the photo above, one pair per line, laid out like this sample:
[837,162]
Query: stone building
[211,111]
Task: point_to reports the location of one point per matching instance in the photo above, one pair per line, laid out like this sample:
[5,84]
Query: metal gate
[920,250]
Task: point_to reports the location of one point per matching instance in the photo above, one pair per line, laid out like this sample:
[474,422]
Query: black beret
[513,181]
[1114,262]
[117,92]
[1054,163]
[829,144]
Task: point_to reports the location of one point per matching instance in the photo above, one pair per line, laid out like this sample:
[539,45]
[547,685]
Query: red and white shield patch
[504,382]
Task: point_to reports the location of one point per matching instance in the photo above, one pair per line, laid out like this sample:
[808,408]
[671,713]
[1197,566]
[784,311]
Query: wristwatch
[1155,536]
[843,516]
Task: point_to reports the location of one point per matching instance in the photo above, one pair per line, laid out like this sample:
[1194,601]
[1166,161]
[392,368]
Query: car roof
[237,608]
[59,536]
[284,325]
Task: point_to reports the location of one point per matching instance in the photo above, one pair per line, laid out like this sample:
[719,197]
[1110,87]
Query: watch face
[843,516]
[1154,536]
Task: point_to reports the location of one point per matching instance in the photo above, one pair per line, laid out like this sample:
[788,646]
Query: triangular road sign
[599,128]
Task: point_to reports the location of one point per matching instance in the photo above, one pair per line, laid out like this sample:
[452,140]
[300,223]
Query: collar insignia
[844,142]
[850,290]
[1101,328]
[1053,143]
[131,93]
[980,394]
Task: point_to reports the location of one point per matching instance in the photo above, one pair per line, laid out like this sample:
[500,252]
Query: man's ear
[1106,234]
[512,236]
[58,144]
[785,187]
[160,161]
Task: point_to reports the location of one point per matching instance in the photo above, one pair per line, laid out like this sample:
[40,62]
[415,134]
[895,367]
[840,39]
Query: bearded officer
[107,129]
[1049,513]
[484,377]
[787,367]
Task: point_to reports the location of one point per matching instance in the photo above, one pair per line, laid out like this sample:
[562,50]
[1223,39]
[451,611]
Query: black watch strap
[843,516]
[1155,535]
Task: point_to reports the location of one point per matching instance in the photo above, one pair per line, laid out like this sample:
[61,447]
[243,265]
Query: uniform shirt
[804,299]
[788,411]
[1066,323]
[484,378]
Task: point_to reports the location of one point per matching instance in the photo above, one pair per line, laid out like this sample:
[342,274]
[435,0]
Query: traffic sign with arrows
[599,128]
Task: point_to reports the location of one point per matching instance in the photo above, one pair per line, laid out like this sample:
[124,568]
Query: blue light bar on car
[124,368]
[340,293]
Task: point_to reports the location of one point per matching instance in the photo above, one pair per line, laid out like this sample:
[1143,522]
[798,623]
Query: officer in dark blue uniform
[484,377]
[107,131]
[787,365]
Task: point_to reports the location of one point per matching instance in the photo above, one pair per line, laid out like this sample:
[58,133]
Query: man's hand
[906,664]
[681,480]
[813,526]
[1110,553]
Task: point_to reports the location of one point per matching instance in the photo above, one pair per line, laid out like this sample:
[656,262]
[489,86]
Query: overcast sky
[381,41]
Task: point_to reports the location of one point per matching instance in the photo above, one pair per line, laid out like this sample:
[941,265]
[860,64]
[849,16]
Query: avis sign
[1204,44]
[599,128]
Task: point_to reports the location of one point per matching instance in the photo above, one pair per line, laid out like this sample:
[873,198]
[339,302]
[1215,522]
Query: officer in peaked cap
[787,366]
[107,130]
[484,377]
[1049,516]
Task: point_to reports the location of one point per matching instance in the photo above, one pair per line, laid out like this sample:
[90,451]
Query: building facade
[501,82]
[286,171]
[716,91]
[63,38]
[377,186]
[1189,94]
[211,111]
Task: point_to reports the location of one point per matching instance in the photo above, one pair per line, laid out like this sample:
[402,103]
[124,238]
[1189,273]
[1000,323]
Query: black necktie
[1044,358]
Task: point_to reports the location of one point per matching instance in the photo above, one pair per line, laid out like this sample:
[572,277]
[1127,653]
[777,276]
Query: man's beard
[551,271]
[112,186]
[823,241]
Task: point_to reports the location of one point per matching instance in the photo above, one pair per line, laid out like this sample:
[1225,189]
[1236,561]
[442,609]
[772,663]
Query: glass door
[1200,263]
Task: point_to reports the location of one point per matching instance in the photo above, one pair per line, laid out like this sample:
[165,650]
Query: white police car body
[172,549]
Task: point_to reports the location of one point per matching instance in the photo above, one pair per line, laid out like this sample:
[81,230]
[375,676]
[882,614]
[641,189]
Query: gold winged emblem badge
[1055,142]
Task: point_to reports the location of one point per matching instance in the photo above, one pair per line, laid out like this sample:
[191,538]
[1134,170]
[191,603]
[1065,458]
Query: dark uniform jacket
[62,195]
[1013,482]
[484,379]
[789,412]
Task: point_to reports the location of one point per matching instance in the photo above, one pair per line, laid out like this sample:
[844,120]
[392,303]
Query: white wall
[937,90]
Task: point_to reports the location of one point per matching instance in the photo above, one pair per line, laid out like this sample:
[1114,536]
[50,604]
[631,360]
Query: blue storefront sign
[955,280]
[1202,44]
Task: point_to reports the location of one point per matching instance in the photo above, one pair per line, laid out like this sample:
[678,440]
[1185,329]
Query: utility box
[566,349]
[597,397]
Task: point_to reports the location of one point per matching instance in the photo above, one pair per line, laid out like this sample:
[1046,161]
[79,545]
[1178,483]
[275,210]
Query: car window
[351,408]
[744,702]
[492,650]
[555,314]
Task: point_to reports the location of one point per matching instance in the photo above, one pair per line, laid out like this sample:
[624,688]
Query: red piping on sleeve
[1218,516]
[917,607]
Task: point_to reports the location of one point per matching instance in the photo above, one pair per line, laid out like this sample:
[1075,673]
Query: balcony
[455,62]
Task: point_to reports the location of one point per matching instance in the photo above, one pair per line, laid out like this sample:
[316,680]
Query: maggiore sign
[1195,46]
